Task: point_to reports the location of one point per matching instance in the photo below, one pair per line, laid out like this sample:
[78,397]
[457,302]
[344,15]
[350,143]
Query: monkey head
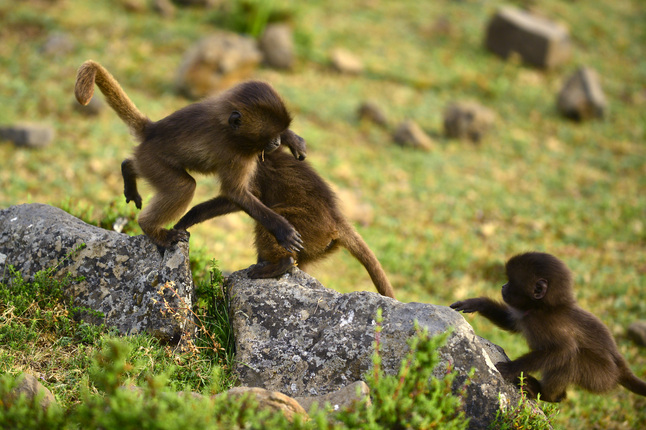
[256,116]
[537,280]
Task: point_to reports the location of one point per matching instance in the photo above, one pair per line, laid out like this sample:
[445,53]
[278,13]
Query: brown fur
[222,135]
[294,190]
[568,344]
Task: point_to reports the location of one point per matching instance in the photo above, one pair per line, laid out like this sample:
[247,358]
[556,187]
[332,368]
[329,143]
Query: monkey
[220,135]
[568,344]
[293,189]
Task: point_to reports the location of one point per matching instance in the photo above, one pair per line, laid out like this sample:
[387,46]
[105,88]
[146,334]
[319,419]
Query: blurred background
[449,150]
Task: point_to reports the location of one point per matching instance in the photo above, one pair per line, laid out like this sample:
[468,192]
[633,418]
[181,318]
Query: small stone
[581,97]
[277,45]
[95,106]
[538,41]
[340,399]
[271,400]
[410,134]
[164,7]
[637,332]
[217,62]
[30,135]
[372,112]
[30,387]
[346,62]
[467,120]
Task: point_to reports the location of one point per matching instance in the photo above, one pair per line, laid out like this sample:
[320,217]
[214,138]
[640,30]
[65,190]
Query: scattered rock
[199,3]
[277,45]
[581,97]
[27,134]
[467,120]
[637,332]
[372,112]
[123,274]
[164,7]
[30,387]
[539,41]
[297,337]
[57,45]
[272,400]
[95,106]
[216,63]
[340,399]
[410,134]
[344,61]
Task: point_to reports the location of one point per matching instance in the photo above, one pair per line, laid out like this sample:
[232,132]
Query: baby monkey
[568,344]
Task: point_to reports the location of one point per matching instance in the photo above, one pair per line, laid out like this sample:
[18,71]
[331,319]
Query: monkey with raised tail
[569,345]
[223,135]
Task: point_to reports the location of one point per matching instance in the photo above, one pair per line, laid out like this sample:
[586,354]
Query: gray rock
[57,45]
[340,399]
[30,135]
[216,63]
[538,41]
[163,7]
[372,112]
[581,97]
[637,332]
[30,387]
[344,61]
[277,46]
[95,106]
[467,120]
[297,337]
[123,274]
[410,134]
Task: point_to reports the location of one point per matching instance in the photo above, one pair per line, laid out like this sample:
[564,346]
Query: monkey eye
[235,120]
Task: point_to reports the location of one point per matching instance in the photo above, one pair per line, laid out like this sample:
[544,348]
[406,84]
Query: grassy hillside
[444,221]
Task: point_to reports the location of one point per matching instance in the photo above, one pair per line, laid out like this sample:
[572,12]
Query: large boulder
[123,275]
[297,337]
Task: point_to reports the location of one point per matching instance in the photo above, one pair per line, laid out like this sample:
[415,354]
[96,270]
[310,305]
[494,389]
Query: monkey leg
[205,211]
[130,182]
[273,259]
[552,388]
[175,190]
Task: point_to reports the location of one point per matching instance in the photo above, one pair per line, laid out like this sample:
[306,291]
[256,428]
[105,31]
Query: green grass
[444,221]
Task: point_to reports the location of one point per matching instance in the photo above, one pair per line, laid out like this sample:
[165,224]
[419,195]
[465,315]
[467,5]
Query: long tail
[91,72]
[354,243]
[633,383]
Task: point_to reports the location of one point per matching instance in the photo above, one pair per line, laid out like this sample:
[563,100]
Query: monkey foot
[271,270]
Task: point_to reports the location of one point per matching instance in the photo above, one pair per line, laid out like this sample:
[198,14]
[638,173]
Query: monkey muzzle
[272,145]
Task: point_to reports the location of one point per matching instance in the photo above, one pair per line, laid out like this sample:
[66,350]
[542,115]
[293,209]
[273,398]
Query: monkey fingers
[267,269]
[508,370]
[467,306]
[292,242]
[175,236]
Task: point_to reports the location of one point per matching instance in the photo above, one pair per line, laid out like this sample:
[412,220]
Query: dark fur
[568,344]
[222,135]
[294,190]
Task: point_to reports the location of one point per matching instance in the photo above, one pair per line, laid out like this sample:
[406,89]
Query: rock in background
[217,62]
[297,337]
[467,120]
[122,274]
[277,46]
[539,41]
[28,134]
[582,97]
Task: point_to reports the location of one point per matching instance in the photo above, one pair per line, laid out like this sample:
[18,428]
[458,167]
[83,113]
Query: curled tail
[354,243]
[633,383]
[91,72]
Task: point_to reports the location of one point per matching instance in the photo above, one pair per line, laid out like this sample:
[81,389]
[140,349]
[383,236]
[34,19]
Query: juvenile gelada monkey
[568,344]
[222,135]
[294,190]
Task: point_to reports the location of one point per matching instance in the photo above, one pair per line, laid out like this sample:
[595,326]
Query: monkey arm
[496,312]
[540,359]
[295,143]
[205,211]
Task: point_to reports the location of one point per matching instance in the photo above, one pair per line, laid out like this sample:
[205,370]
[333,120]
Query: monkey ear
[235,120]
[540,289]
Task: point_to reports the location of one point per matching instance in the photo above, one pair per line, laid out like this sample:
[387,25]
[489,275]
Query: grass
[444,221]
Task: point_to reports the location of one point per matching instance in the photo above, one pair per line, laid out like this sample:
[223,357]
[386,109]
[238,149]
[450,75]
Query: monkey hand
[295,143]
[175,236]
[136,199]
[290,239]
[507,370]
[468,305]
